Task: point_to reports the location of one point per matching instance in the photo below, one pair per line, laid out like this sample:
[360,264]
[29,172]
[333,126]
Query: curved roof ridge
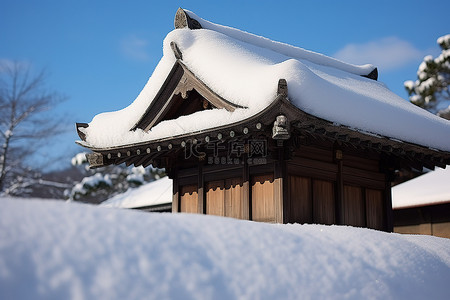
[283,48]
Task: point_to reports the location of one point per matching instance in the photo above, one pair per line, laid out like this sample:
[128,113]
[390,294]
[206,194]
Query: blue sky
[101,53]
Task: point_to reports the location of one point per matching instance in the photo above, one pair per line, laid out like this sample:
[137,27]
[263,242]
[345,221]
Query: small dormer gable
[181,94]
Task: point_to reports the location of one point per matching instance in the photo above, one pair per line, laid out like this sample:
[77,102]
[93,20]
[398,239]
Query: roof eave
[412,155]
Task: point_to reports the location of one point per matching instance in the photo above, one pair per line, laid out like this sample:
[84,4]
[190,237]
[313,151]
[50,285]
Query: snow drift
[53,250]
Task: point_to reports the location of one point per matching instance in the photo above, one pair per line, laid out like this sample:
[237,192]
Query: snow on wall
[245,69]
[428,189]
[53,250]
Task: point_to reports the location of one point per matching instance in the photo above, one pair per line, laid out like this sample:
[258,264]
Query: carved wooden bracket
[184,86]
[95,160]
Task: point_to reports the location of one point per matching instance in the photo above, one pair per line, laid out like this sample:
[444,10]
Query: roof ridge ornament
[182,20]
[282,88]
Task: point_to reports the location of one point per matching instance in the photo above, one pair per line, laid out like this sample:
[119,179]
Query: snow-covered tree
[103,183]
[431,89]
[25,125]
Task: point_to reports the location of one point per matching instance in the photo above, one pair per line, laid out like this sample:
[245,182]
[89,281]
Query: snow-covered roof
[244,69]
[428,189]
[151,194]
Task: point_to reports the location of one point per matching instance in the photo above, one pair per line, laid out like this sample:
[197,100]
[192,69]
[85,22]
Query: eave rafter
[415,156]
[144,154]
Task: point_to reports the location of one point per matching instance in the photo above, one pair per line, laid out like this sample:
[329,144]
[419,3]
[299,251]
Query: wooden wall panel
[263,206]
[431,219]
[300,206]
[315,153]
[362,163]
[375,209]
[234,198]
[224,198]
[441,229]
[353,207]
[312,168]
[189,199]
[323,202]
[215,198]
[425,228]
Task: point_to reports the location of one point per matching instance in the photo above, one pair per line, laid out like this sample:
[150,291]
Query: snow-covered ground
[56,250]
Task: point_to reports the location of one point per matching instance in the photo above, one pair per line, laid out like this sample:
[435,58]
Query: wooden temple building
[279,163]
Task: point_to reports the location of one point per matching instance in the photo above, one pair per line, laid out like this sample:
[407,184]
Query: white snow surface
[244,69]
[153,193]
[427,189]
[55,250]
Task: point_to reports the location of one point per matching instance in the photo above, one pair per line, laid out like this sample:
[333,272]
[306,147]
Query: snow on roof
[153,193]
[244,69]
[54,250]
[428,189]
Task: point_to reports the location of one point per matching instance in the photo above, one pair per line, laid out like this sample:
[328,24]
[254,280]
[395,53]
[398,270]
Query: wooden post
[388,207]
[286,196]
[278,186]
[339,188]
[246,215]
[200,190]
[175,193]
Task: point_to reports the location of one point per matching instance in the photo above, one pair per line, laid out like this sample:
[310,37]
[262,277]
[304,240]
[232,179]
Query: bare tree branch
[24,123]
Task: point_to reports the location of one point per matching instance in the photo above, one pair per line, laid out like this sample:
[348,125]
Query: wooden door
[375,209]
[300,200]
[323,202]
[224,198]
[353,208]
[189,199]
[234,197]
[215,198]
[263,202]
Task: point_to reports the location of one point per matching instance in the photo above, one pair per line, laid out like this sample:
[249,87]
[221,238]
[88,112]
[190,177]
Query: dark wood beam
[142,160]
